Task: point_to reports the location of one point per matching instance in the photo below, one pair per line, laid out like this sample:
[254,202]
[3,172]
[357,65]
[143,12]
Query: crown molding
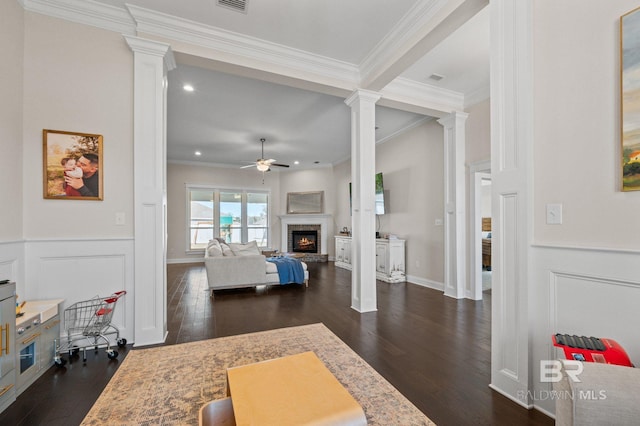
[477,96]
[85,12]
[396,40]
[209,37]
[134,20]
[424,95]
[405,129]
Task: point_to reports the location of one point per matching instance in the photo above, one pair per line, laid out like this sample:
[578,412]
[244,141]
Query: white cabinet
[389,258]
[381,257]
[7,344]
[343,252]
[50,336]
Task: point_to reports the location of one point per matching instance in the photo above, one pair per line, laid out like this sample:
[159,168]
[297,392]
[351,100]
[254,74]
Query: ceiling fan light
[262,167]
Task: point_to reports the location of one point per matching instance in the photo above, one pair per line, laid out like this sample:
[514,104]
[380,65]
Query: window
[237,216]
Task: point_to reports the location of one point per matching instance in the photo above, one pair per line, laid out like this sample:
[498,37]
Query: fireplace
[320,224]
[305,241]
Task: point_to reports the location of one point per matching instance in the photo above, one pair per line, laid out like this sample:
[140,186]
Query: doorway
[485,230]
[480,229]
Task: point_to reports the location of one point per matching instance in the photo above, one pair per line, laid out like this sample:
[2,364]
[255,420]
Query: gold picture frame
[72,165]
[630,99]
[305,202]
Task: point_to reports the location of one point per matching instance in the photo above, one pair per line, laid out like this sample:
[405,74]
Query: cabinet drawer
[7,389]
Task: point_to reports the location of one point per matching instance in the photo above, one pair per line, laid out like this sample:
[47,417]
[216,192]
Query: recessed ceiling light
[188,88]
[198,153]
[296,162]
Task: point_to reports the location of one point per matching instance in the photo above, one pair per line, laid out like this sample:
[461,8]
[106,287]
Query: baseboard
[423,282]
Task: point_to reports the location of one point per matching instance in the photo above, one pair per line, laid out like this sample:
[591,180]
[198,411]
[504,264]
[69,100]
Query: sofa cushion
[273,269]
[226,250]
[247,249]
[214,249]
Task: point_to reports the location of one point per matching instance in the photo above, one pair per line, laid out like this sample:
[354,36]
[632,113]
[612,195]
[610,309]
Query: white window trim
[216,211]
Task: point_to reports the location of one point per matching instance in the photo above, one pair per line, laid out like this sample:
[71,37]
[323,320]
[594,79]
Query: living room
[555,276]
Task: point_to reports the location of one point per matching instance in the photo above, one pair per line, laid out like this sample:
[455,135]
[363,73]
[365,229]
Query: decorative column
[363,218]
[152,60]
[455,244]
[512,365]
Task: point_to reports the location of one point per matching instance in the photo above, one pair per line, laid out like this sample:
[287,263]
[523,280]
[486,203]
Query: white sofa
[240,265]
[605,395]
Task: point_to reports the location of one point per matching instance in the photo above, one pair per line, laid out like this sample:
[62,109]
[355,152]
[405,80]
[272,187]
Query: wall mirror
[305,202]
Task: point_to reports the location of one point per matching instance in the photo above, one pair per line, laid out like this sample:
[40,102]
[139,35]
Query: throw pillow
[226,250]
[247,249]
[214,249]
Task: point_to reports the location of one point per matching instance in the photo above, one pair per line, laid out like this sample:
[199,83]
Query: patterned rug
[167,385]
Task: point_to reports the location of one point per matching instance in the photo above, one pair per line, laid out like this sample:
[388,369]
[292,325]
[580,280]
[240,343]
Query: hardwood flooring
[435,350]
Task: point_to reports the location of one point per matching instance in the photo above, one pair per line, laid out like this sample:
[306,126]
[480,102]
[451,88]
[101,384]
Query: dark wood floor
[433,349]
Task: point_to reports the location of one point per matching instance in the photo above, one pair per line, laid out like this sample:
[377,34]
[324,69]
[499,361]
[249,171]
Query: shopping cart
[88,324]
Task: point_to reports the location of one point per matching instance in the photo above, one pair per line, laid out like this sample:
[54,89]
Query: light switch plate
[554,214]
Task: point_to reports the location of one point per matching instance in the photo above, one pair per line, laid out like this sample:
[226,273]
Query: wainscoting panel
[600,301]
[77,270]
[12,263]
[583,291]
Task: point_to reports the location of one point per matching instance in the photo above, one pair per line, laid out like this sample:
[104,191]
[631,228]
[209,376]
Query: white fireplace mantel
[324,220]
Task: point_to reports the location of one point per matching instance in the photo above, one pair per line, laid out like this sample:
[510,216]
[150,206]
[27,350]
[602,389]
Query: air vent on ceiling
[237,5]
[436,77]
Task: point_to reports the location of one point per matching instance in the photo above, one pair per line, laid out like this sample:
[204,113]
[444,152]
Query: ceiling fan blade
[279,165]
[248,165]
[269,161]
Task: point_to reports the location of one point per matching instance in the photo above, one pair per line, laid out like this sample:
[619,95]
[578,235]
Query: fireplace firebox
[305,241]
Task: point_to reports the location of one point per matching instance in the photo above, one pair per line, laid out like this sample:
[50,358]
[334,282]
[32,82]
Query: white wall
[577,127]
[11,45]
[77,78]
[478,132]
[413,171]
[179,175]
[341,178]
[585,274]
[318,179]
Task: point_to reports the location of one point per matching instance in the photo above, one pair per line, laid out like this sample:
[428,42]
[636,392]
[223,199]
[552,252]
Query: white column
[152,60]
[363,218]
[454,204]
[511,191]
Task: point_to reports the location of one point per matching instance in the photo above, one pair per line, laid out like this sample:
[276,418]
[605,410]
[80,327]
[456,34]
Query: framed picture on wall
[630,99]
[72,165]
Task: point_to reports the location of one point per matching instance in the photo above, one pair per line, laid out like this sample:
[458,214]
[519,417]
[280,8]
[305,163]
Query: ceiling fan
[262,164]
